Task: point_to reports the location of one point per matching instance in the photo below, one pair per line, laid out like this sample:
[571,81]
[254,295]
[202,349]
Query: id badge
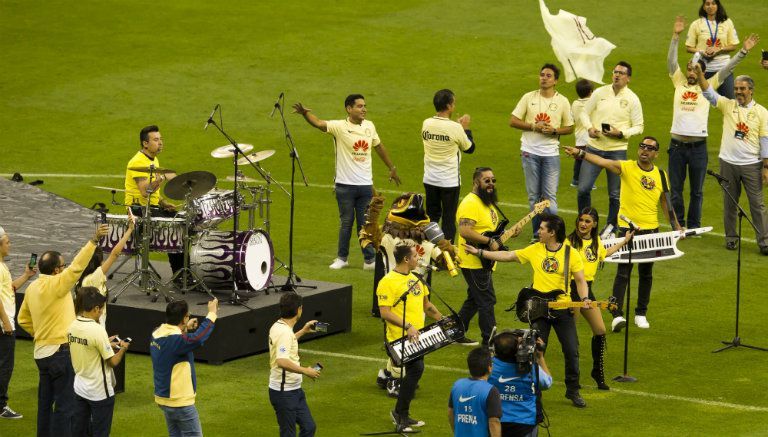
[739,134]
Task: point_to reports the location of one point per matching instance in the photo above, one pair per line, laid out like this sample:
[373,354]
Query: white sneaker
[642,322]
[338,264]
[618,324]
[369,266]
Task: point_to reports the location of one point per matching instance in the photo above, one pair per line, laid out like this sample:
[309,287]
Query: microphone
[632,226]
[276,105]
[717,176]
[210,117]
[434,234]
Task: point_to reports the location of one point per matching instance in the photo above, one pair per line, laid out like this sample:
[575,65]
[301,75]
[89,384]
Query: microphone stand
[736,342]
[291,283]
[625,376]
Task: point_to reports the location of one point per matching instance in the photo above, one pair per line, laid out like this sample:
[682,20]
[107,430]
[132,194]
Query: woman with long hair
[586,242]
[714,36]
[95,274]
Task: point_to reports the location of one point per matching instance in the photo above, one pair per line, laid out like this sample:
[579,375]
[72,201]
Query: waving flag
[576,47]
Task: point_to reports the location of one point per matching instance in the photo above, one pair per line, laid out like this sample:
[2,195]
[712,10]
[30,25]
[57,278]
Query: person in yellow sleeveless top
[644,187]
[390,289]
[585,240]
[714,36]
[548,262]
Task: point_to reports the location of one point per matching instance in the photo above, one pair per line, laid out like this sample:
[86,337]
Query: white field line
[699,401]
[327,186]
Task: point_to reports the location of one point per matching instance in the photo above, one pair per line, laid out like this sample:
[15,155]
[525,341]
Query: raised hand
[679,25]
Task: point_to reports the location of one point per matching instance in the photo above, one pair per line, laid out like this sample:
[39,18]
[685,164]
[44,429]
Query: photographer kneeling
[513,375]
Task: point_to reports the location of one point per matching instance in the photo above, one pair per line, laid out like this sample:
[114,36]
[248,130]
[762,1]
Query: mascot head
[407,217]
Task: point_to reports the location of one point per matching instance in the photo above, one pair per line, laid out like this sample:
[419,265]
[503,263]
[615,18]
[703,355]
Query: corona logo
[360,144]
[690,95]
[542,116]
[742,127]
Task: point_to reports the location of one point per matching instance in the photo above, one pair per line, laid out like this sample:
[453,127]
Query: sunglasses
[488,181]
[649,147]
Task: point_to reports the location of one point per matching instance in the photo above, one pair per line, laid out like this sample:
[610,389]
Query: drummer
[137,182]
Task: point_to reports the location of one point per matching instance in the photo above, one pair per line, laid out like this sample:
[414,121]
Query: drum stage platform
[37,221]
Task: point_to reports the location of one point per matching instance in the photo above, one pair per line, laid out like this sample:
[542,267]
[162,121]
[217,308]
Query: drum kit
[214,259]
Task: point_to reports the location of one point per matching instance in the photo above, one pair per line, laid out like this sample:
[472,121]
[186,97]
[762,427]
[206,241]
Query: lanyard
[712,37]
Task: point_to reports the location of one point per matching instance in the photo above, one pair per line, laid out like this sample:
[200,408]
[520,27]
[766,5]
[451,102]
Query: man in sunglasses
[644,187]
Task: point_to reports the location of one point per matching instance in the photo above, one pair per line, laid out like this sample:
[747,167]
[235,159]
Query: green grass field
[80,79]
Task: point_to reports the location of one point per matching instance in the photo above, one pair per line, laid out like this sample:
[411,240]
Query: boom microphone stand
[625,376]
[736,342]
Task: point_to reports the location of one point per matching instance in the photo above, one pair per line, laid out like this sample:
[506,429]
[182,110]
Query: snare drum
[214,208]
[118,225]
[167,235]
[211,258]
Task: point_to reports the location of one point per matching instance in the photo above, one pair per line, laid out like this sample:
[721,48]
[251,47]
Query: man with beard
[688,145]
[478,213]
[643,188]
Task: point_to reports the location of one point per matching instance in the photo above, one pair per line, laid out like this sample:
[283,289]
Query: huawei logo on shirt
[690,95]
[361,144]
[717,42]
[420,250]
[742,127]
[542,116]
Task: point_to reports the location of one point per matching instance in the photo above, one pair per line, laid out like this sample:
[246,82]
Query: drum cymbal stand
[148,280]
[265,212]
[185,272]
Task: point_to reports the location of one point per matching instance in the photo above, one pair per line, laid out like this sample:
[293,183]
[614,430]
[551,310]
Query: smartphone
[103,218]
[696,58]
[318,367]
[32,261]
[321,327]
[765,55]
[127,339]
[606,127]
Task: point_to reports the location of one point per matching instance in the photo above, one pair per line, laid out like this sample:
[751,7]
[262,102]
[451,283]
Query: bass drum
[211,258]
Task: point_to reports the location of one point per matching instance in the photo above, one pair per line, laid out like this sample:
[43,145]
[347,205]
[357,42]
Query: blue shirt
[517,391]
[470,402]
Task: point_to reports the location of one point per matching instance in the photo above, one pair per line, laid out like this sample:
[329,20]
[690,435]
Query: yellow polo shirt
[752,120]
[700,37]
[640,195]
[7,296]
[132,193]
[622,111]
[486,219]
[533,108]
[548,267]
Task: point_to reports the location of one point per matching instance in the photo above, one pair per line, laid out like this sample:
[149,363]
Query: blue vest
[469,398]
[517,391]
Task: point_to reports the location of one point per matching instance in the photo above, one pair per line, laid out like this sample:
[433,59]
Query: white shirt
[444,140]
[283,344]
[7,296]
[89,347]
[353,144]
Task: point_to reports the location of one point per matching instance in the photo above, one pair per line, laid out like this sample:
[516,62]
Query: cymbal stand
[185,272]
[148,279]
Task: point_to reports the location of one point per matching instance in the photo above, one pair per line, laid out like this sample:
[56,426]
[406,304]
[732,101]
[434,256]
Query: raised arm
[501,255]
[115,253]
[298,108]
[611,165]
[749,43]
[678,27]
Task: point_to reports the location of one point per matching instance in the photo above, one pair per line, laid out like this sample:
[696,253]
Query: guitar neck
[510,231]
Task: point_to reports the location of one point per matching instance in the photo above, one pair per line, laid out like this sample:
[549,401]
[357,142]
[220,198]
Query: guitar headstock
[539,207]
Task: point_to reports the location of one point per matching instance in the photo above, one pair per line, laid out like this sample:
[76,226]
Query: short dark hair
[554,223]
[289,305]
[350,100]
[505,346]
[144,134]
[93,264]
[48,262]
[720,15]
[479,171]
[401,251]
[175,312]
[478,362]
[442,99]
[584,88]
[552,67]
[88,298]
[627,66]
[648,137]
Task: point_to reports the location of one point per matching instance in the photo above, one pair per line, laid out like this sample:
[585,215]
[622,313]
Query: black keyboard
[431,338]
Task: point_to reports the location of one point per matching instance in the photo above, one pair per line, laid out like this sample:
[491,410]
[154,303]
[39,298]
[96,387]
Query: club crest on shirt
[751,116]
[553,107]
[494,217]
[742,127]
[589,254]
[647,182]
[543,116]
[416,290]
[550,264]
[623,103]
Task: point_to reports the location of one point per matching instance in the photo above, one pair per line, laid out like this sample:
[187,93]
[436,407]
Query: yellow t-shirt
[690,109]
[640,195]
[354,144]
[548,267]
[132,193]
[622,111]
[555,110]
[486,219]
[89,347]
[7,296]
[390,288]
[700,37]
[589,258]
[752,120]
[443,140]
[283,344]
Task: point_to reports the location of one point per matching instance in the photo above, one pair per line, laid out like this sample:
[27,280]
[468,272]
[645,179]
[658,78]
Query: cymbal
[108,188]
[241,179]
[156,170]
[228,151]
[257,156]
[196,182]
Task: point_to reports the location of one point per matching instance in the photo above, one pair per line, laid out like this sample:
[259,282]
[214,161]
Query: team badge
[751,116]
[623,103]
[589,254]
[647,183]
[553,107]
[494,217]
[416,290]
[550,264]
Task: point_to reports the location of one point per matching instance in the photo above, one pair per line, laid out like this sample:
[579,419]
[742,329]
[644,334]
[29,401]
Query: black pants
[565,328]
[481,298]
[92,418]
[442,204]
[413,372]
[7,346]
[645,282]
[176,260]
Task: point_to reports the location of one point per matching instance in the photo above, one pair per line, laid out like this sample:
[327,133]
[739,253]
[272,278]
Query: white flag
[576,47]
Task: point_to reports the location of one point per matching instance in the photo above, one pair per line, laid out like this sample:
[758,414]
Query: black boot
[598,361]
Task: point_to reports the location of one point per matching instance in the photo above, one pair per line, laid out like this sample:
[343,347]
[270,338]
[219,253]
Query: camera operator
[513,375]
[93,358]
